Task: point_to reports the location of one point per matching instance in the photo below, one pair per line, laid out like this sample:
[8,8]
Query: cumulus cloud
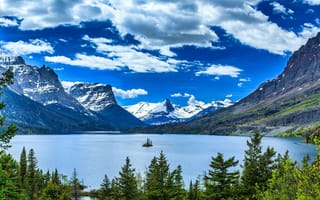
[42,13]
[25,48]
[163,25]
[229,95]
[280,9]
[82,60]
[312,2]
[221,70]
[131,57]
[6,22]
[181,95]
[128,94]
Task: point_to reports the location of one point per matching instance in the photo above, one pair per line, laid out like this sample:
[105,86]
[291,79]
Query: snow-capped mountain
[99,99]
[166,112]
[37,101]
[39,84]
[95,97]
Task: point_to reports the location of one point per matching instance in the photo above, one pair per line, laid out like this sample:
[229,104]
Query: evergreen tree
[8,132]
[257,168]
[32,175]
[105,188]
[284,182]
[220,182]
[9,178]
[309,179]
[194,191]
[23,166]
[161,184]
[127,182]
[76,186]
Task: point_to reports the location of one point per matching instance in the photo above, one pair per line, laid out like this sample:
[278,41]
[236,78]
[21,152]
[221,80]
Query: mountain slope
[38,103]
[100,100]
[290,101]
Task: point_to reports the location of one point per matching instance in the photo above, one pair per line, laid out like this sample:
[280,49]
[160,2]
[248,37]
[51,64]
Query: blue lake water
[98,154]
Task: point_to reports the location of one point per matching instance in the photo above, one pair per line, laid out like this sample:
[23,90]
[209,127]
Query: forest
[264,175]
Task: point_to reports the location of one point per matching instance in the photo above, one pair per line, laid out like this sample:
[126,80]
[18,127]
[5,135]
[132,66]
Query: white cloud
[229,95]
[68,84]
[92,62]
[312,2]
[58,69]
[25,48]
[161,25]
[128,94]
[39,14]
[245,79]
[240,84]
[181,95]
[129,56]
[220,70]
[280,9]
[5,22]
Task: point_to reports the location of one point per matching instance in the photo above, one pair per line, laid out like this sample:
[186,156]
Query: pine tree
[32,176]
[258,166]
[23,166]
[194,191]
[8,132]
[162,184]
[219,182]
[75,183]
[105,188]
[127,182]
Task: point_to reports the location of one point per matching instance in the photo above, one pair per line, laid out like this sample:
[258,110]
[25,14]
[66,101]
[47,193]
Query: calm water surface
[96,155]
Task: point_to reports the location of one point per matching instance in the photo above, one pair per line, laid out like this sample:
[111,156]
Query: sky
[151,50]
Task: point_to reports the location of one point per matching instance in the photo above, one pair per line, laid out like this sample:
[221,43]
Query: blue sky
[150,50]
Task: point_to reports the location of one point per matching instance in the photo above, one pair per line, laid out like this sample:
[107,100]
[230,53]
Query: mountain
[37,102]
[100,100]
[290,102]
[166,112]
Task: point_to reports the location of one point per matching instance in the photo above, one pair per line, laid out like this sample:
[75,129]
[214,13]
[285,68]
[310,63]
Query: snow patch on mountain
[92,96]
[166,112]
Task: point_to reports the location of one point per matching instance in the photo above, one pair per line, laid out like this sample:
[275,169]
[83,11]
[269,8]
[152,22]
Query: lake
[95,155]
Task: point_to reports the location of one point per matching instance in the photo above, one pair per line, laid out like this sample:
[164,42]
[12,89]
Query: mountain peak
[93,96]
[302,72]
[168,105]
[11,60]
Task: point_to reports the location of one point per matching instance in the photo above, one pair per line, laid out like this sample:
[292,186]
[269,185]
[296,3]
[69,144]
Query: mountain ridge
[289,102]
[166,112]
[38,103]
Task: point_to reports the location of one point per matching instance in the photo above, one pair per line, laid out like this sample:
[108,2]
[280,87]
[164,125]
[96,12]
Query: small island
[148,143]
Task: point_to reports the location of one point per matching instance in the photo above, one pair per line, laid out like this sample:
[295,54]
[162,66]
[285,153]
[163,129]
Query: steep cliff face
[290,101]
[301,73]
[93,97]
[100,100]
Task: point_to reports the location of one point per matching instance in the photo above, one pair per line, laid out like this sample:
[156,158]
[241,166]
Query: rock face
[37,102]
[95,97]
[100,100]
[288,102]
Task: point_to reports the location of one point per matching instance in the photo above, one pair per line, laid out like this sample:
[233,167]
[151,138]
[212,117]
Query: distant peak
[168,105]
[6,59]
